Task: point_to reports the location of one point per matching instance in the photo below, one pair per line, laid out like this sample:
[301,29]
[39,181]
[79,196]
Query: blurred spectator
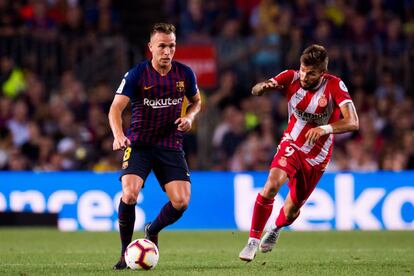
[72,26]
[36,18]
[31,147]
[234,135]
[389,89]
[264,15]
[17,160]
[9,18]
[12,81]
[18,124]
[194,26]
[6,143]
[219,12]
[293,47]
[5,110]
[266,56]
[360,158]
[101,17]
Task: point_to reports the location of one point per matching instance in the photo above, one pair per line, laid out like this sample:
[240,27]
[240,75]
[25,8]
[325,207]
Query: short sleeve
[129,83]
[191,88]
[340,93]
[284,78]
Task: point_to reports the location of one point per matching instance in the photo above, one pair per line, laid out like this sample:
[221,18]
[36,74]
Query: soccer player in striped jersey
[316,101]
[156,90]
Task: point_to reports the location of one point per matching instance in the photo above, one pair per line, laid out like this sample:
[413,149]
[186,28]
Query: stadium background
[61,61]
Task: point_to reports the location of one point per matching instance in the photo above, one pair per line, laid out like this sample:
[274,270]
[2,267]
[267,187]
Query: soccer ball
[141,254]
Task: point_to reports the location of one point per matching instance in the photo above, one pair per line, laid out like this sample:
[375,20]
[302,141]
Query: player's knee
[269,191]
[129,198]
[271,187]
[276,178]
[181,203]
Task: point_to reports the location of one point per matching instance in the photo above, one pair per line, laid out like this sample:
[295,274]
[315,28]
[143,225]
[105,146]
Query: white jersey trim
[295,77]
[344,102]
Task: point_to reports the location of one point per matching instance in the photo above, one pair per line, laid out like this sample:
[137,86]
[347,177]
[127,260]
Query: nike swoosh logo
[148,87]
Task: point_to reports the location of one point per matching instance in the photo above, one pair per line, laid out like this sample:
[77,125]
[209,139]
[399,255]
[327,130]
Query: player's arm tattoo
[262,87]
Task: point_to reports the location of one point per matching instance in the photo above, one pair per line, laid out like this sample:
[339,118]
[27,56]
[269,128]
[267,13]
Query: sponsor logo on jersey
[180,86]
[148,87]
[162,103]
[318,118]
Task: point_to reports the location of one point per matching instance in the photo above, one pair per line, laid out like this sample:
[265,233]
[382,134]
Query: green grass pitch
[28,251]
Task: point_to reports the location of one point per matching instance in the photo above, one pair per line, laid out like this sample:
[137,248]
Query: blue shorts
[167,164]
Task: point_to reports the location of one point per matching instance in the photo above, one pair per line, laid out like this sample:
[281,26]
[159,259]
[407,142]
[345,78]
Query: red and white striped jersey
[309,109]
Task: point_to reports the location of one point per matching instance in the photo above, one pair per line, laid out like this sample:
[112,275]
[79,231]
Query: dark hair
[315,55]
[165,28]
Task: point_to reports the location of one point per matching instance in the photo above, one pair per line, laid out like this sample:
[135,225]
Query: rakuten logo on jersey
[162,103]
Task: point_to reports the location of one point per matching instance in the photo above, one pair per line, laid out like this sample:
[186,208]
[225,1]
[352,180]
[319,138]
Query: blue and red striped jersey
[156,102]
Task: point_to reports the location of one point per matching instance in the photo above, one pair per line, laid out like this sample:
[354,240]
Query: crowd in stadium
[54,116]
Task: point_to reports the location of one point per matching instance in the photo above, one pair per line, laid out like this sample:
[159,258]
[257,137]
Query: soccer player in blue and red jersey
[156,90]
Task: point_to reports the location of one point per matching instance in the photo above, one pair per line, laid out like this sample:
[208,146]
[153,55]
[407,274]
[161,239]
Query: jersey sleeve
[191,88]
[284,78]
[129,83]
[340,93]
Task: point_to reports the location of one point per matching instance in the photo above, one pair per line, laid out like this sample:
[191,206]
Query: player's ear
[150,46]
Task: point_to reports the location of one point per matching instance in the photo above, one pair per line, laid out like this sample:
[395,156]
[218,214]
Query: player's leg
[287,215]
[131,186]
[135,169]
[262,210]
[178,192]
[173,175]
[301,186]
[264,201]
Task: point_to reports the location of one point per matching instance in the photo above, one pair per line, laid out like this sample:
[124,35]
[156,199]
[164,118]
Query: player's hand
[183,124]
[314,134]
[261,87]
[121,143]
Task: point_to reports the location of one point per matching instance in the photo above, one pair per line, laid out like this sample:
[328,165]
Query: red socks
[262,210]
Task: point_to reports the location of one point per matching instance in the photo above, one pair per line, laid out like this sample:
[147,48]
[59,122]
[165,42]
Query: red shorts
[303,177]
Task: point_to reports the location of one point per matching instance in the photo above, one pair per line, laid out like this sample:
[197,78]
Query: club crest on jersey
[282,161]
[124,165]
[180,86]
[322,102]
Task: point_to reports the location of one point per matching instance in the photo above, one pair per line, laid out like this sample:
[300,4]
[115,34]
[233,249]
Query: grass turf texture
[31,251]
